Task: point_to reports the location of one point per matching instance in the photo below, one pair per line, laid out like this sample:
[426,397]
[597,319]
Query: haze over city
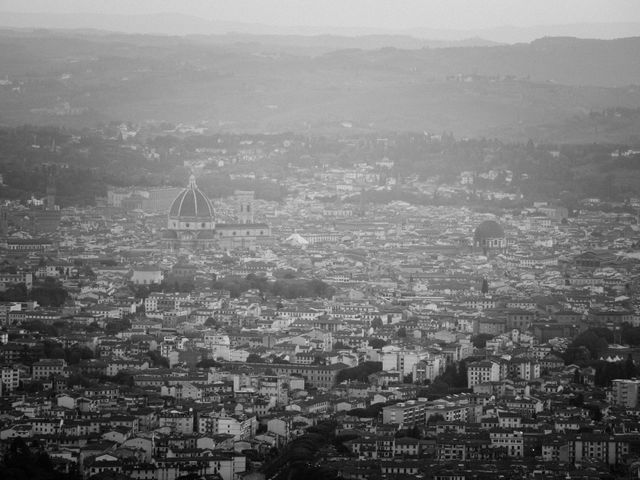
[293,239]
[499,20]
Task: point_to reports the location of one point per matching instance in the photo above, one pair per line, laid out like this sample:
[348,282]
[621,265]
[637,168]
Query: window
[234,233]
[202,225]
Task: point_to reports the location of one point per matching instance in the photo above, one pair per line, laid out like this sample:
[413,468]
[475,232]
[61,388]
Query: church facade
[191,223]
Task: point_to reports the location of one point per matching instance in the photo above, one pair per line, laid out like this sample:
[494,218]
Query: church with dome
[489,235]
[191,223]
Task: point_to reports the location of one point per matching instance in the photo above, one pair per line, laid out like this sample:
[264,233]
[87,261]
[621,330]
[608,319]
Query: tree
[435,418]
[211,322]
[376,323]
[630,369]
[124,378]
[53,349]
[207,363]
[414,432]
[40,327]
[485,286]
[50,293]
[480,340]
[592,340]
[340,346]
[22,462]
[158,360]
[76,353]
[255,358]
[276,359]
[402,332]
[116,326]
[578,355]
[78,379]
[15,293]
[360,373]
[377,343]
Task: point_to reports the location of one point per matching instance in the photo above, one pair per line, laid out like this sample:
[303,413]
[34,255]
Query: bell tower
[244,206]
[50,198]
[4,221]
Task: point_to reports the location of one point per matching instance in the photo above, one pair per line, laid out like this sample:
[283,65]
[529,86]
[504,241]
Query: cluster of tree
[124,378]
[340,346]
[42,328]
[588,346]
[372,411]
[284,288]
[208,363]
[116,326]
[607,371]
[585,169]
[72,355]
[455,375]
[49,293]
[630,334]
[255,358]
[298,457]
[452,380]
[77,379]
[377,343]
[217,186]
[480,340]
[176,285]
[21,462]
[359,373]
[595,413]
[157,360]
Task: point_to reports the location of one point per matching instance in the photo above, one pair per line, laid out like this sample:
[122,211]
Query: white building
[482,372]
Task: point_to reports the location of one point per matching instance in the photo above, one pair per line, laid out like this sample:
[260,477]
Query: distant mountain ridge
[255,84]
[180,24]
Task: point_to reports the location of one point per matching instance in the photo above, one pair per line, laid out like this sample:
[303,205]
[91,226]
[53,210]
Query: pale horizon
[378,15]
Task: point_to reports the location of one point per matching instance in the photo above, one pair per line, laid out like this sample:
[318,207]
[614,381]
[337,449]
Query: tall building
[412,412]
[46,219]
[624,392]
[50,199]
[4,221]
[244,206]
[482,372]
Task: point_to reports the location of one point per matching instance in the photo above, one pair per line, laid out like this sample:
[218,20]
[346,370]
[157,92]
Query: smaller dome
[488,229]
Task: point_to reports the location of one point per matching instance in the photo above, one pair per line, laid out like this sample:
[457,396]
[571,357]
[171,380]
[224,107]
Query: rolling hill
[547,89]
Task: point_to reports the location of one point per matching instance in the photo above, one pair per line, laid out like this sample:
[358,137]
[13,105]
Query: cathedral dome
[489,234]
[488,229]
[191,203]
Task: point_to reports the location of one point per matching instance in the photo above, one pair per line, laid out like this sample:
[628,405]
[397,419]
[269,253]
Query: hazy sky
[385,14]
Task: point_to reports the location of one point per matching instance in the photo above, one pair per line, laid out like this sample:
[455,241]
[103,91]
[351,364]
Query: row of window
[203,225]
